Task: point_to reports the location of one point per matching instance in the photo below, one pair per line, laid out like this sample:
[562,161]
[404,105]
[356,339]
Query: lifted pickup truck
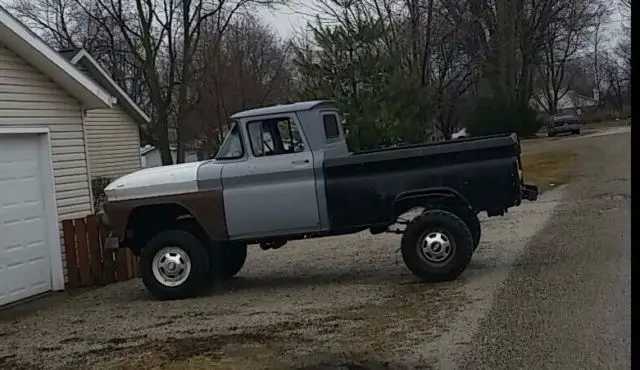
[285,173]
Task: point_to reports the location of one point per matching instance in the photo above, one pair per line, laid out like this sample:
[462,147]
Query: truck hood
[159,181]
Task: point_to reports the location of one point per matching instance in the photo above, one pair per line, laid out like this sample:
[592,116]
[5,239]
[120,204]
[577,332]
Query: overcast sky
[287,20]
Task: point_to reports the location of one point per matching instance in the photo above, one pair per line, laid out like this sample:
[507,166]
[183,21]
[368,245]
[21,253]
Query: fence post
[95,251]
[122,268]
[83,253]
[68,235]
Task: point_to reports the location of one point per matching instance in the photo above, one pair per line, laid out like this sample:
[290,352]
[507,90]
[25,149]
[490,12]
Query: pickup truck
[285,173]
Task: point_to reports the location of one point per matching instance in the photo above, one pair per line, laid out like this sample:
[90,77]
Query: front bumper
[529,192]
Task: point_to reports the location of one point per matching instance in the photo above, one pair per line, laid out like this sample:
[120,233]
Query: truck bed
[362,188]
[508,141]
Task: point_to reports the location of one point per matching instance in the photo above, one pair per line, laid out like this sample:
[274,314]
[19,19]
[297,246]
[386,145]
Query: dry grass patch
[549,168]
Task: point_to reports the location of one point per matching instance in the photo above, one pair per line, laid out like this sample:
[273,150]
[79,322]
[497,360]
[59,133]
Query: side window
[274,136]
[260,139]
[330,123]
[290,136]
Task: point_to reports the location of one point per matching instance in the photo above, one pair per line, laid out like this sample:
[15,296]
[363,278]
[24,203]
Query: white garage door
[25,267]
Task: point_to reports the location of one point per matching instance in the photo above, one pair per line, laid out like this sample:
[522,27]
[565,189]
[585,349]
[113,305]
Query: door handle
[300,162]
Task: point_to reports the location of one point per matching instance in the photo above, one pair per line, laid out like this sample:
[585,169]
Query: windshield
[231,147]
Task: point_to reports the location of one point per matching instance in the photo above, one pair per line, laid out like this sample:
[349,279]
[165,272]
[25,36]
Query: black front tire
[454,229]
[198,259]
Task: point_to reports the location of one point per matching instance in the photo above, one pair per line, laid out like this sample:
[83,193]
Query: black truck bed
[509,141]
[361,189]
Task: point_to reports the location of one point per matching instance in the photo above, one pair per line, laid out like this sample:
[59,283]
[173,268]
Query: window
[232,146]
[274,136]
[330,123]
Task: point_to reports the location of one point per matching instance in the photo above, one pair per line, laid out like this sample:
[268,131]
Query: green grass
[548,169]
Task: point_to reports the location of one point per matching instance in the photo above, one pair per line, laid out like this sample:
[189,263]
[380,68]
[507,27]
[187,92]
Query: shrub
[97,187]
[495,116]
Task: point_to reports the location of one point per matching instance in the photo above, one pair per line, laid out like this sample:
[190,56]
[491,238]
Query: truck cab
[273,165]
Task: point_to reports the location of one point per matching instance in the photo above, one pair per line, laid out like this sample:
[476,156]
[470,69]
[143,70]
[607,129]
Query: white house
[45,102]
[569,101]
[150,156]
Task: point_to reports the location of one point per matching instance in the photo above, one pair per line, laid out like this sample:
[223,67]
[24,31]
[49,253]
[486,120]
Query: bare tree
[566,37]
[616,91]
[626,4]
[162,37]
[60,22]
[247,68]
[450,71]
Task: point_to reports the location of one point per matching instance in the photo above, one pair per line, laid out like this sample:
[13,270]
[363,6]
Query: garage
[44,168]
[30,260]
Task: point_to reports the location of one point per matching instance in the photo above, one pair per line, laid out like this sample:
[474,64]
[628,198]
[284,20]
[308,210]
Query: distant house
[571,101]
[113,137]
[150,156]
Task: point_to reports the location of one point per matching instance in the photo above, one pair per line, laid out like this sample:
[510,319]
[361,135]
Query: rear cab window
[331,125]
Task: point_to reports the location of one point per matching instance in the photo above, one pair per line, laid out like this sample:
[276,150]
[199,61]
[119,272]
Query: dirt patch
[336,362]
[358,336]
[548,169]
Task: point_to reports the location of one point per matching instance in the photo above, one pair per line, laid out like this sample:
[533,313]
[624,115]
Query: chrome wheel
[436,247]
[171,266]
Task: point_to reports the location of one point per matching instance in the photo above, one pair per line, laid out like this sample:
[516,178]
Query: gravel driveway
[349,301]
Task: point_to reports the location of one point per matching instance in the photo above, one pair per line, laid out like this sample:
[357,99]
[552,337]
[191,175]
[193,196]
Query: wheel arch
[428,198]
[146,220]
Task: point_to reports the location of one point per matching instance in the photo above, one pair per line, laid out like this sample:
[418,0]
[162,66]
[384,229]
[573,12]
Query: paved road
[567,304]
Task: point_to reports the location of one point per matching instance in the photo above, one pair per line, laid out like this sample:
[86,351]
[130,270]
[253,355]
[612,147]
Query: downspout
[83,113]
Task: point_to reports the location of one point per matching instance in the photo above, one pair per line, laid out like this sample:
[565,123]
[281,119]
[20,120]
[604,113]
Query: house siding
[29,99]
[113,142]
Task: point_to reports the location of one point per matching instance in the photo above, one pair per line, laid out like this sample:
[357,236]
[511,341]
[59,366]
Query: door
[25,263]
[273,192]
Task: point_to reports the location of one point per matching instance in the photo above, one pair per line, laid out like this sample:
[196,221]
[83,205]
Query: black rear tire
[473,223]
[469,217]
[182,242]
[443,224]
[234,257]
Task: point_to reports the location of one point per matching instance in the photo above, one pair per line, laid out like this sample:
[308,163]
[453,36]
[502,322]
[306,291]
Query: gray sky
[287,20]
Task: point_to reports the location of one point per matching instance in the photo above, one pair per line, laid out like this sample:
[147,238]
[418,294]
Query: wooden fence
[88,263]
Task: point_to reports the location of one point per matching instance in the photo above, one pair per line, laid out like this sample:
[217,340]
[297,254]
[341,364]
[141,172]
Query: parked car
[564,123]
[285,173]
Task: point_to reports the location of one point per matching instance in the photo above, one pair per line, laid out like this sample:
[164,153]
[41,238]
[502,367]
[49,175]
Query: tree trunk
[163,141]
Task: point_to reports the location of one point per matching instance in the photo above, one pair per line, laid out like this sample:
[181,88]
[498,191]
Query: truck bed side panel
[362,192]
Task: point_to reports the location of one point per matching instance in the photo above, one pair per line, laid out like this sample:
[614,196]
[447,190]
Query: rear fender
[433,197]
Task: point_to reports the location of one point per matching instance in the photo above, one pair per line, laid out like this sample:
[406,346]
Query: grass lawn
[548,169]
